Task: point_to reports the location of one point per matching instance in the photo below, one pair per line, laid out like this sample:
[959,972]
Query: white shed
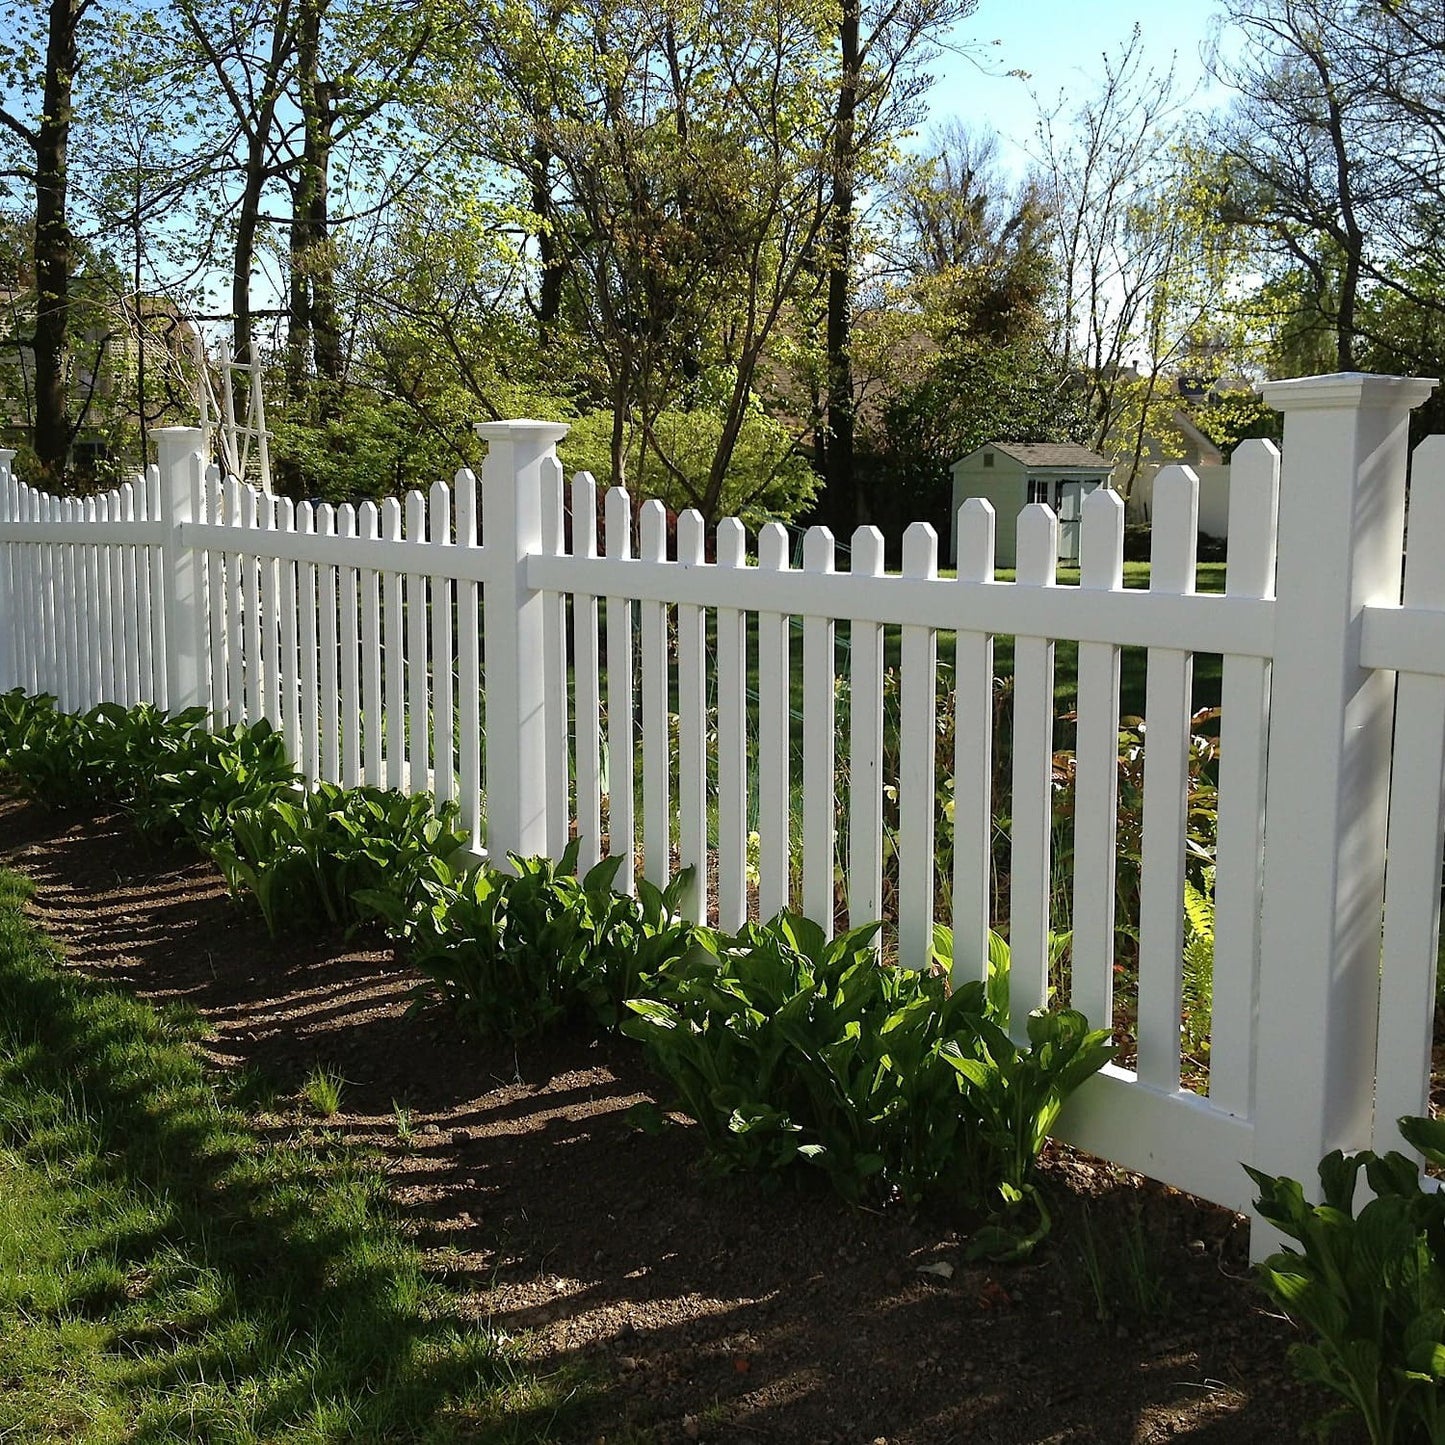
[1013,474]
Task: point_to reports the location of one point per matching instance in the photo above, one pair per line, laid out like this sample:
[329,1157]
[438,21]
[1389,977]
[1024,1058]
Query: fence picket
[329,750]
[348,642]
[1096,776]
[774,737]
[732,737]
[1167,706]
[113,601]
[554,663]
[621,827]
[289,662]
[94,651]
[153,590]
[394,647]
[443,675]
[656,749]
[251,612]
[973,757]
[109,635]
[1032,806]
[26,593]
[918,707]
[469,677]
[75,602]
[1243,744]
[308,602]
[235,636]
[137,658]
[76,642]
[70,634]
[213,573]
[270,613]
[691,727]
[865,745]
[47,656]
[587,728]
[368,527]
[418,729]
[820,722]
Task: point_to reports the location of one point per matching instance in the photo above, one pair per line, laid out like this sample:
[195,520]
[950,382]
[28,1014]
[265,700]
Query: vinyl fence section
[690,703]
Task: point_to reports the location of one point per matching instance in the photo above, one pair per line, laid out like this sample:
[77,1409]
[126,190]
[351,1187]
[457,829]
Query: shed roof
[1052,454]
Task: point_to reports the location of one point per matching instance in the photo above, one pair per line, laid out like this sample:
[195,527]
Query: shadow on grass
[245,1291]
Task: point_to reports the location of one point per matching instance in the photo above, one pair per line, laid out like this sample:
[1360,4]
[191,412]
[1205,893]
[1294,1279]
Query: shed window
[988,459]
[1038,491]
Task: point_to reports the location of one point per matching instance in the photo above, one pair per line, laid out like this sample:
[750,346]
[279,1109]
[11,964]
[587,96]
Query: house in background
[1193,449]
[1010,475]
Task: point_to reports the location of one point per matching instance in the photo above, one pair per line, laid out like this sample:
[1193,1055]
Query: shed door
[1071,515]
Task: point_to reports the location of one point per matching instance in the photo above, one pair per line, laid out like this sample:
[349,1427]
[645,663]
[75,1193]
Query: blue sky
[1061,44]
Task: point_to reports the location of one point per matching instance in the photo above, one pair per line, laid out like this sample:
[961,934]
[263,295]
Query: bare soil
[684,1306]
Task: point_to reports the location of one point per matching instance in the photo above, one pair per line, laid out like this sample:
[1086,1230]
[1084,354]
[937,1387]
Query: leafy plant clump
[338,852]
[789,1047]
[45,749]
[171,774]
[516,953]
[1370,1285]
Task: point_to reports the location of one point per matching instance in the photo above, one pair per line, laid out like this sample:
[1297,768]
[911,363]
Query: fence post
[181,464]
[9,622]
[518,730]
[1341,536]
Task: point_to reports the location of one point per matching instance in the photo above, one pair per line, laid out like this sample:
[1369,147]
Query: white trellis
[235,441]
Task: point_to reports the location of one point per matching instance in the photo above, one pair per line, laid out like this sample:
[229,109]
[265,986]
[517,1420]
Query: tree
[881,48]
[44,137]
[674,161]
[1300,143]
[953,347]
[1143,254]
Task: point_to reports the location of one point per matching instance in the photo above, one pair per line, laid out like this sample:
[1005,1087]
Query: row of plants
[792,1051]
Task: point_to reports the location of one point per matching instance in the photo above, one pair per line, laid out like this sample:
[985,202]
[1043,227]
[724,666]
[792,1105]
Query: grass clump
[164,1274]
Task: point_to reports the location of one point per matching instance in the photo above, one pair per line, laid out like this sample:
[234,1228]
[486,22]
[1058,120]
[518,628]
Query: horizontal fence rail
[806,730]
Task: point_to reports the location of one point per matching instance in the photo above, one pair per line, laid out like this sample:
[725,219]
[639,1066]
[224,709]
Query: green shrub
[333,854]
[173,776]
[212,776]
[789,1047]
[45,749]
[515,953]
[1370,1285]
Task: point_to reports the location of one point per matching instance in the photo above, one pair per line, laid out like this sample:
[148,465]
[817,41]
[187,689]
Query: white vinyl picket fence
[456,642]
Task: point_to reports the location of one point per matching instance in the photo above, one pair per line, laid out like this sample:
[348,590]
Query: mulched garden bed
[685,1306]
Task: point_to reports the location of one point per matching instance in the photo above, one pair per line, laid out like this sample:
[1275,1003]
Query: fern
[1198,965]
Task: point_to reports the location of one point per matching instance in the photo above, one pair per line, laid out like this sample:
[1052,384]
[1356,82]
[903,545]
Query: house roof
[1052,454]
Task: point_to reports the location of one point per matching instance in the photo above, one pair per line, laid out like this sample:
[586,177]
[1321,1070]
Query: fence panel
[388,643]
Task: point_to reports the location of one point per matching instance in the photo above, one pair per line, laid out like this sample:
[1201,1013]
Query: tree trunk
[53,243]
[839,502]
[549,253]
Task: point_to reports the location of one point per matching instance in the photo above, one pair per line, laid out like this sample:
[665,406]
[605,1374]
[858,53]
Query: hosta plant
[46,750]
[514,952]
[328,857]
[1369,1285]
[789,1047]
[207,777]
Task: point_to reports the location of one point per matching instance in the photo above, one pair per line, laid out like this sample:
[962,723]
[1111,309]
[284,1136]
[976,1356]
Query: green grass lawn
[166,1274]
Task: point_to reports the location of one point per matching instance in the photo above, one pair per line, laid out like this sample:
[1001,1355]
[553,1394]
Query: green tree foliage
[955,347]
[1331,162]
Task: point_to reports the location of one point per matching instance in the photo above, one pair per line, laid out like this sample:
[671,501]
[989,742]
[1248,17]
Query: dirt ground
[690,1307]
